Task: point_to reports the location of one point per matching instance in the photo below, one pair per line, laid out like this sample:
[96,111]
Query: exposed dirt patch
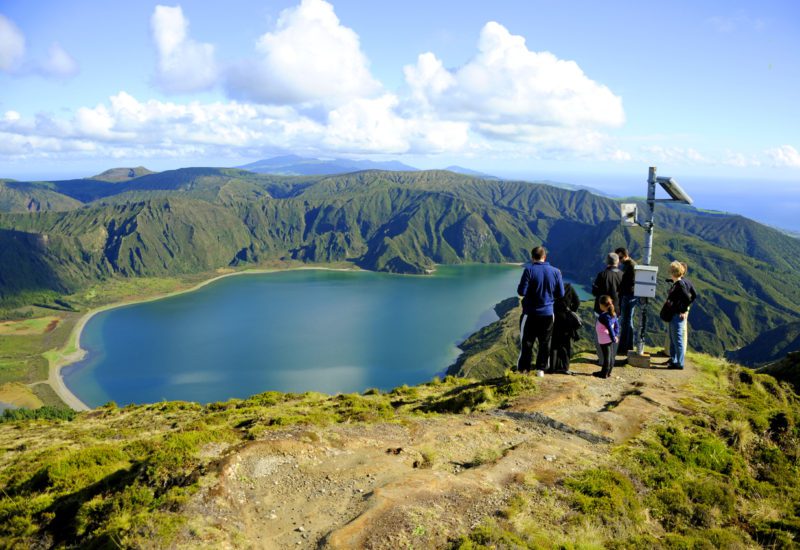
[19,395]
[27,327]
[420,483]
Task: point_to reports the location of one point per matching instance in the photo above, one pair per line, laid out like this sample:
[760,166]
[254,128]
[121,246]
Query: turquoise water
[297,331]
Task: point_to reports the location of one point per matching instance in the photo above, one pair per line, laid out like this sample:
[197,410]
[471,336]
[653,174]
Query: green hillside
[196,220]
[16,196]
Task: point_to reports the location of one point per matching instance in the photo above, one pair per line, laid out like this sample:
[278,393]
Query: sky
[580,91]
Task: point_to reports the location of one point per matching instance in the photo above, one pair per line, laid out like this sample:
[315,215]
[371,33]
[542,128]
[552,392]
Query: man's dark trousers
[532,328]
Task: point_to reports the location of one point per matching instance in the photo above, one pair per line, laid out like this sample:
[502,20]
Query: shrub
[605,494]
[42,413]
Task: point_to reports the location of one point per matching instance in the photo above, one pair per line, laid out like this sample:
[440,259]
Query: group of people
[549,313]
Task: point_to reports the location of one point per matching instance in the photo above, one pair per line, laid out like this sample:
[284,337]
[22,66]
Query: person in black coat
[607,283]
[563,331]
[628,302]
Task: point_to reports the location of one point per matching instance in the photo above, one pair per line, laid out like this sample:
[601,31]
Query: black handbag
[667,311]
[574,321]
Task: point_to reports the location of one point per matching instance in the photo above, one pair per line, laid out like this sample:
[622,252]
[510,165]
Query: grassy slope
[721,473]
[120,476]
[31,197]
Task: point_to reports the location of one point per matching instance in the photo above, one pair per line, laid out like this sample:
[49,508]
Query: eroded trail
[419,483]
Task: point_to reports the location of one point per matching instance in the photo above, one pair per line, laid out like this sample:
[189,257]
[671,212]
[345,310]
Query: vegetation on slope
[720,472]
[119,477]
[18,196]
[724,473]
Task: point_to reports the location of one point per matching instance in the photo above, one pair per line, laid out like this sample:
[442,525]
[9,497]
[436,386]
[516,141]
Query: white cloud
[155,128]
[676,155]
[368,125]
[785,156]
[12,45]
[428,79]
[506,83]
[740,21]
[314,94]
[11,116]
[184,65]
[310,90]
[310,57]
[373,125]
[739,160]
[59,63]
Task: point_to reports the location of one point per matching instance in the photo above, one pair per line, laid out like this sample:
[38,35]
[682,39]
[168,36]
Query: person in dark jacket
[680,297]
[538,287]
[607,284]
[628,301]
[563,331]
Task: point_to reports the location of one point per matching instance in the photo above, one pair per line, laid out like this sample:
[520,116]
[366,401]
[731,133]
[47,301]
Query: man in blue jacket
[539,286]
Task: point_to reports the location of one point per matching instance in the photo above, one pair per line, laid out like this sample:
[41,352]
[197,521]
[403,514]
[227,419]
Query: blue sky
[515,88]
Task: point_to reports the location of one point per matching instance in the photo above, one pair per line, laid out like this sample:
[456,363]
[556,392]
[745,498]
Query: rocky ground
[423,481]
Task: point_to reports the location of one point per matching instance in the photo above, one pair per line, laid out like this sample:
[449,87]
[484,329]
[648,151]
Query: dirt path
[418,483]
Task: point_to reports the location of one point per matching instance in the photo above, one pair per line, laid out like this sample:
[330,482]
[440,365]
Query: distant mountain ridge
[196,220]
[468,172]
[294,165]
[122,174]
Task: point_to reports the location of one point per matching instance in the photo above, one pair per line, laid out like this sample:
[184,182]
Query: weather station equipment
[646,275]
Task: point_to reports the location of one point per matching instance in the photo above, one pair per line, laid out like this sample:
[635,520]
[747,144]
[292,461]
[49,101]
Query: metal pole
[651,203]
[648,248]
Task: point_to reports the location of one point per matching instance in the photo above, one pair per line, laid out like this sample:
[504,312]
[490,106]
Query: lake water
[308,330]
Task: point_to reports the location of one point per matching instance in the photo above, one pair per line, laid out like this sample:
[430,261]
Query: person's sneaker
[567,372]
[540,373]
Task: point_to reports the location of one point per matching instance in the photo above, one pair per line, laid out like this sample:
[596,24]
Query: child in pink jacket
[607,328]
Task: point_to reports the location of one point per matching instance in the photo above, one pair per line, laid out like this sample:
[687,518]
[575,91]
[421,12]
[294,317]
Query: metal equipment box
[645,277]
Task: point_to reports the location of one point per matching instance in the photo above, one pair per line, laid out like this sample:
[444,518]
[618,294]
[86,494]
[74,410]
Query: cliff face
[786,369]
[708,455]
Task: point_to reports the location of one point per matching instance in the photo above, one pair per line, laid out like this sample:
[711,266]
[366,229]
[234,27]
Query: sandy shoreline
[72,351]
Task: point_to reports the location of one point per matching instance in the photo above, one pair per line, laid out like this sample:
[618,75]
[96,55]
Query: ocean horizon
[774,203]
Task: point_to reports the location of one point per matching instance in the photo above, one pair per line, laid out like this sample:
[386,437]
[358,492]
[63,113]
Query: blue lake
[308,330]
